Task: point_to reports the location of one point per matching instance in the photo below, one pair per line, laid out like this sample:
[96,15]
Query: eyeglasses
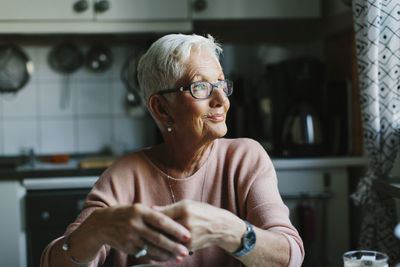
[203,90]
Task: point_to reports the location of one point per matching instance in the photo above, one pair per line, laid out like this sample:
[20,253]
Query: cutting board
[96,162]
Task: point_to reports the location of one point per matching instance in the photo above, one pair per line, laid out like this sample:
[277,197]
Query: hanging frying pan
[15,68]
[99,58]
[65,58]
[129,77]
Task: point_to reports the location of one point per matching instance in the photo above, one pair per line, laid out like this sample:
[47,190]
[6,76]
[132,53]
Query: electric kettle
[302,132]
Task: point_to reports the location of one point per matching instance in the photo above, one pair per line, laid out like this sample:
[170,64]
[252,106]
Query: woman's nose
[218,97]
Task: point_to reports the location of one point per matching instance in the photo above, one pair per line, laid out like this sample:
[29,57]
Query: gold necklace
[172,191]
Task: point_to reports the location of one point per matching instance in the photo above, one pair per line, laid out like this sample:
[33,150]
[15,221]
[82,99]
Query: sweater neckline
[200,171]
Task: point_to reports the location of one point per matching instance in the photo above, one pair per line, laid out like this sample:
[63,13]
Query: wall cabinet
[135,16]
[94,16]
[17,10]
[121,10]
[254,9]
[87,10]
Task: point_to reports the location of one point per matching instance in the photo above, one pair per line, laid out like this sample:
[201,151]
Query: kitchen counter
[21,174]
[318,163]
[71,168]
[42,169]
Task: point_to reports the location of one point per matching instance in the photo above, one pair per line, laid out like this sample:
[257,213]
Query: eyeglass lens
[205,89]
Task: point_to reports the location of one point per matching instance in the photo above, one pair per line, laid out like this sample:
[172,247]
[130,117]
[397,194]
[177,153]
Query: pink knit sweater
[238,176]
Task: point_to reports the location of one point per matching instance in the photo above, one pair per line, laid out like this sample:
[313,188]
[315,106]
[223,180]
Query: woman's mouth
[216,117]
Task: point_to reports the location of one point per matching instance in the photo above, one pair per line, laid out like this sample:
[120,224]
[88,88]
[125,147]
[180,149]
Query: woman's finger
[159,221]
[174,211]
[160,240]
[158,254]
[131,245]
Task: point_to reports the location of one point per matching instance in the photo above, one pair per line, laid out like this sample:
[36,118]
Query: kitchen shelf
[307,195]
[318,163]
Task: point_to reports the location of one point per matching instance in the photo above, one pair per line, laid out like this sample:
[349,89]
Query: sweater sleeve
[263,203]
[98,261]
[109,190]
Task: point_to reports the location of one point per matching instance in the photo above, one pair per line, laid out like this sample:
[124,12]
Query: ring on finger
[142,252]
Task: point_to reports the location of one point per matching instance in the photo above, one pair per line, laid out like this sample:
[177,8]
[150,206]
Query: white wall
[94,116]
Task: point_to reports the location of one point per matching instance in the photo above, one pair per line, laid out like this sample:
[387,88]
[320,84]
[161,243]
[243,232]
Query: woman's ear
[158,107]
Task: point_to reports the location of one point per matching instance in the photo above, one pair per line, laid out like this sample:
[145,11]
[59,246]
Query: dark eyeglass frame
[229,83]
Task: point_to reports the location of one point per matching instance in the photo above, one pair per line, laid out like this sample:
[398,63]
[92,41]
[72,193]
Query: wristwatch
[248,241]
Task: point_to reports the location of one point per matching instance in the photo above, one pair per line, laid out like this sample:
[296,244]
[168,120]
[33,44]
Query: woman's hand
[207,224]
[129,228]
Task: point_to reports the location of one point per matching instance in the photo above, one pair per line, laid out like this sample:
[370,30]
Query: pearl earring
[169,128]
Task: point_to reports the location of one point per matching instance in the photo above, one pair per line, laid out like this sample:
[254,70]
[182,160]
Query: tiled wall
[93,115]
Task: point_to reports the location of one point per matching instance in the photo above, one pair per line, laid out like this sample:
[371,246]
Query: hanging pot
[15,68]
[65,58]
[129,77]
[99,58]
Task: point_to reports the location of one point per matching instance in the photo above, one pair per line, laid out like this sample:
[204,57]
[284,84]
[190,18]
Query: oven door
[48,213]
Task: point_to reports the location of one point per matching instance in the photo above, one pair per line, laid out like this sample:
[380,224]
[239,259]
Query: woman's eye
[200,87]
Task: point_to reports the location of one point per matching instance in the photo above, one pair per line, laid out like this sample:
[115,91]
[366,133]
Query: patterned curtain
[377,32]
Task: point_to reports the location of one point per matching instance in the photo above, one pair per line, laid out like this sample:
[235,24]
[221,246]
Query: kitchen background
[82,113]
[86,113]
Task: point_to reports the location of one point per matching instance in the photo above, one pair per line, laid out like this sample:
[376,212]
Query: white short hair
[164,62]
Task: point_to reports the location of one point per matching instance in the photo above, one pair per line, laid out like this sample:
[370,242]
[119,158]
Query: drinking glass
[361,258]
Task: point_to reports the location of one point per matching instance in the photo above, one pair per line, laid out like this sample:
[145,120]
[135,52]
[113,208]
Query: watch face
[250,240]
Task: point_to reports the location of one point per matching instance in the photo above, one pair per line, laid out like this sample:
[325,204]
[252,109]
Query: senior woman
[196,199]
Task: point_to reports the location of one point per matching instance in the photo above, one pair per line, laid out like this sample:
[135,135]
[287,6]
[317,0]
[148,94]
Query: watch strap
[248,241]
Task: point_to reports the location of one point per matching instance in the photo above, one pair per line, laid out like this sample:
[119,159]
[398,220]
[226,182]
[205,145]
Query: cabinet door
[255,9]
[17,10]
[332,236]
[12,243]
[124,10]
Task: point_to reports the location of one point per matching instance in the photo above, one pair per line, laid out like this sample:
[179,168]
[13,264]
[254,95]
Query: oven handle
[59,182]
